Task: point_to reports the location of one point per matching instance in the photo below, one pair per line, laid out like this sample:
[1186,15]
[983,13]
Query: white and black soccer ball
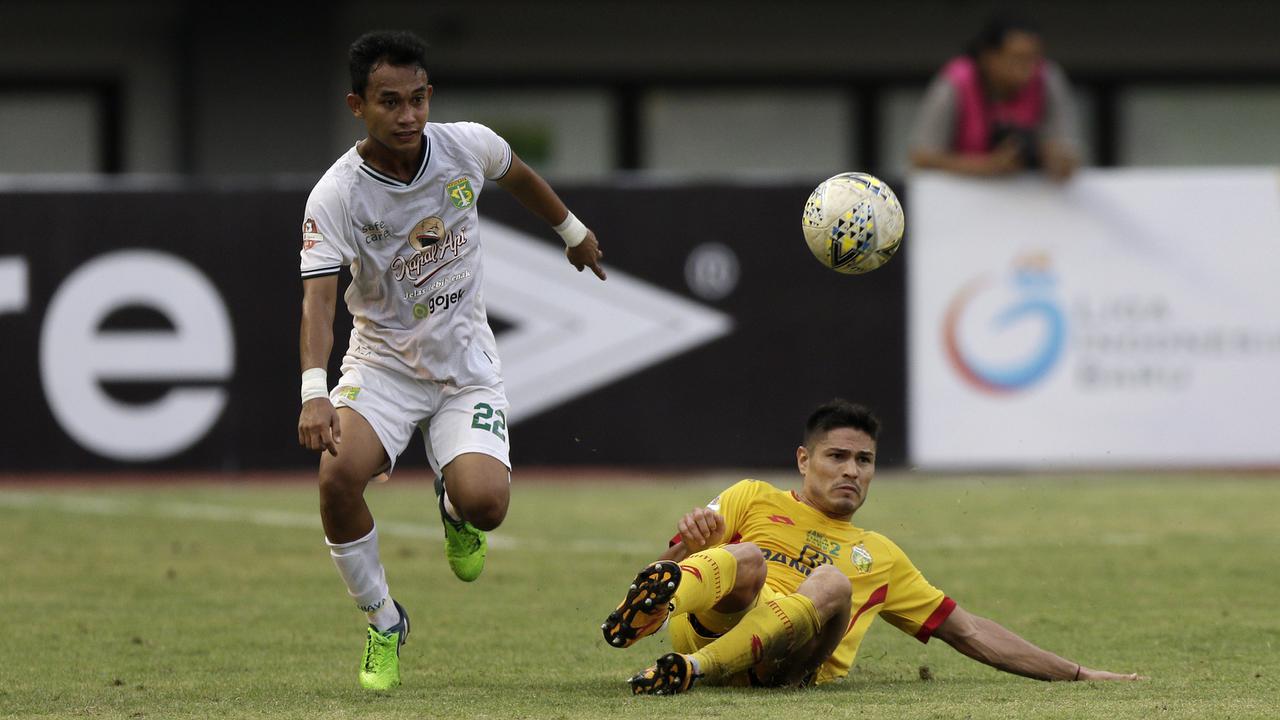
[853,223]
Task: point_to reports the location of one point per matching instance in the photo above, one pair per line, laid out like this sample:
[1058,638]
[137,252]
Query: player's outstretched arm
[988,642]
[1002,160]
[318,427]
[583,250]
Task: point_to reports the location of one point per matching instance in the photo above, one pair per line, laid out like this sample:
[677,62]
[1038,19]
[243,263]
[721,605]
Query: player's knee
[484,505]
[751,570]
[829,589]
[479,487]
[487,514]
[338,482]
[833,581]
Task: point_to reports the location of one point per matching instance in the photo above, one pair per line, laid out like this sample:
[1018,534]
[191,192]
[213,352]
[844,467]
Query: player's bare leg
[473,497]
[353,544]
[343,479]
[479,487]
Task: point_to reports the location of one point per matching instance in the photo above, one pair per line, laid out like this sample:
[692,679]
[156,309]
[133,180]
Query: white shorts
[453,420]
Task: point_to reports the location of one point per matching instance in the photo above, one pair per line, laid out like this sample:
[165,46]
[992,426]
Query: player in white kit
[399,210]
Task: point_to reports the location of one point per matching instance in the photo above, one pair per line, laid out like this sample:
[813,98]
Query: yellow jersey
[795,538]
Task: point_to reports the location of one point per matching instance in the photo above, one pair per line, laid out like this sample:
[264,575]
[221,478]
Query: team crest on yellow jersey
[860,558]
[460,193]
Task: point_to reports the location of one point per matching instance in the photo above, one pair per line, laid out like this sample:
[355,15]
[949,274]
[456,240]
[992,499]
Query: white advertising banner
[1123,319]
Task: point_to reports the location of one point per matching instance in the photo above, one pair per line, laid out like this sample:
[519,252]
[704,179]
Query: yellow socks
[768,632]
[705,577]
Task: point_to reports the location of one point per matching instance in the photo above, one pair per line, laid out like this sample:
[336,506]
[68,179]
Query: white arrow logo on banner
[574,333]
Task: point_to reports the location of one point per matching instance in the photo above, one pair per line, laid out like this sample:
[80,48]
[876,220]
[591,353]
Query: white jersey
[414,251]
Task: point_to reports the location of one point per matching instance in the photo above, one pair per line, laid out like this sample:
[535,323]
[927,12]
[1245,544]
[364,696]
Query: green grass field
[219,600]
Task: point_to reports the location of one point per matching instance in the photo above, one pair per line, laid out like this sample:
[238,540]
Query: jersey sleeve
[913,605]
[490,150]
[935,119]
[732,504]
[326,247]
[1061,123]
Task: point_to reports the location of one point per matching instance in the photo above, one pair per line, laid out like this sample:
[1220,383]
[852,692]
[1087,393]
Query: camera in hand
[1028,141]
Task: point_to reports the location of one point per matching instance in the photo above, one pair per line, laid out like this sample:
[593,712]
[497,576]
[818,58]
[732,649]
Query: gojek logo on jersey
[432,243]
[443,301]
[1006,335]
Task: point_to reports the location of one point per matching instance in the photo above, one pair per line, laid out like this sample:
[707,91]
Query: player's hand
[318,426]
[1091,674]
[701,528]
[1004,158]
[1059,162]
[587,254]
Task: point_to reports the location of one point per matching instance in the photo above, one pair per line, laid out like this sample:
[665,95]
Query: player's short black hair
[840,413]
[393,47]
[996,29]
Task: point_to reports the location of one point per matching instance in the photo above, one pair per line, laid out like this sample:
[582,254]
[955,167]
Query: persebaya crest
[460,193]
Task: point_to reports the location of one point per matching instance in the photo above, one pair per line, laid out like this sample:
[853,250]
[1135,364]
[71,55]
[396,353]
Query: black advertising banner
[160,328]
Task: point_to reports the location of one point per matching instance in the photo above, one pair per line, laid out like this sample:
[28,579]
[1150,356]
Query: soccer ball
[853,223]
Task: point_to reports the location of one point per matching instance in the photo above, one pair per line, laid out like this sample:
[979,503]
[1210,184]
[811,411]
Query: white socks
[450,510]
[362,571]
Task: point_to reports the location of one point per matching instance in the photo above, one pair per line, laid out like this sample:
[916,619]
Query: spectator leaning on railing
[1000,108]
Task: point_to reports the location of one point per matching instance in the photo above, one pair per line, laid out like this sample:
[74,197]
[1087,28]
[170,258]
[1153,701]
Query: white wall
[765,131]
[48,133]
[1209,126]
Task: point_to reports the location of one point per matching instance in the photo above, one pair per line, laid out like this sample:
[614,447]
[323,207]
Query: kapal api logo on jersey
[426,233]
[433,243]
[1003,336]
[310,234]
[460,193]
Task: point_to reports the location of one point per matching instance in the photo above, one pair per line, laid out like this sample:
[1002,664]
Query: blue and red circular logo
[1002,337]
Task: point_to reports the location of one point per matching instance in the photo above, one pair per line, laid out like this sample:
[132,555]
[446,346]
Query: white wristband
[315,384]
[572,231]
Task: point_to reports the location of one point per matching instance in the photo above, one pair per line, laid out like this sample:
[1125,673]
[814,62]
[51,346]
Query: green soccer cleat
[380,669]
[465,546]
[672,674]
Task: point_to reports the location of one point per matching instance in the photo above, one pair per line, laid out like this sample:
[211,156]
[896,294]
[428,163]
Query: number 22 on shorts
[485,413]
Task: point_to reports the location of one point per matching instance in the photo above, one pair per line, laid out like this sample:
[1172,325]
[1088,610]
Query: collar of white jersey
[385,179]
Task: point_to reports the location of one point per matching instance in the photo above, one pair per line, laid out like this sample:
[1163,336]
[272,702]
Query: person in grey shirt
[1000,108]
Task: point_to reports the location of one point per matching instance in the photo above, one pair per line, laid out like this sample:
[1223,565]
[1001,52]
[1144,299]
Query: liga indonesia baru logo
[1006,334]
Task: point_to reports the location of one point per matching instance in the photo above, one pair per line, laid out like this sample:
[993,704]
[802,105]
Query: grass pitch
[219,600]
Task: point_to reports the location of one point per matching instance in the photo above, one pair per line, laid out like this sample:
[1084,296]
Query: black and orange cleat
[670,675]
[647,605]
